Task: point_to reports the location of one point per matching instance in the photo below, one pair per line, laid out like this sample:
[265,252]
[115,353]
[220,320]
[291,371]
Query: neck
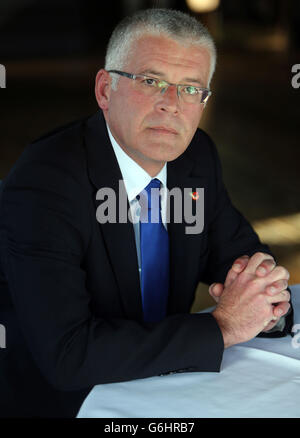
[152,168]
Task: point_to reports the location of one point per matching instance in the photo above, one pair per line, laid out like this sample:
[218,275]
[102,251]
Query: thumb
[215,290]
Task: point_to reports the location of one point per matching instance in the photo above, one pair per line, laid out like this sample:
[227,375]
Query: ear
[103,89]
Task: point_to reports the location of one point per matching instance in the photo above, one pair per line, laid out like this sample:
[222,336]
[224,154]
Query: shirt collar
[134,176]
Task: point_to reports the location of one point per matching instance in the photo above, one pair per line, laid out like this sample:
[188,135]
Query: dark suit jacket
[70,296]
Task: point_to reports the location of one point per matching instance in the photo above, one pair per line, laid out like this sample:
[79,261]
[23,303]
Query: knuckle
[241,258]
[287,295]
[285,283]
[240,262]
[255,284]
[282,272]
[211,289]
[279,285]
[270,263]
[258,256]
[252,286]
[260,300]
[267,262]
[262,258]
[273,289]
[264,255]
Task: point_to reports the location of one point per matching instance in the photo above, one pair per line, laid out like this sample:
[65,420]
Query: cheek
[192,122]
[138,104]
[124,112]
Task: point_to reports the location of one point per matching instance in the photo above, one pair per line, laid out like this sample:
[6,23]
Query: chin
[165,157]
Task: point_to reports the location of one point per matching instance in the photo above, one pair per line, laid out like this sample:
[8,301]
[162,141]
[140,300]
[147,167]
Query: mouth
[164,130]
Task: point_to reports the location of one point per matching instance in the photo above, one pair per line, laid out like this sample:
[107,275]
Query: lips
[164,129]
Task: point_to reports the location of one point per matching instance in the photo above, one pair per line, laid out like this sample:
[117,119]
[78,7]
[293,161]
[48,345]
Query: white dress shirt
[135,180]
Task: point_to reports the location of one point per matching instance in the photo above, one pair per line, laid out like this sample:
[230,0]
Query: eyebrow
[156,73]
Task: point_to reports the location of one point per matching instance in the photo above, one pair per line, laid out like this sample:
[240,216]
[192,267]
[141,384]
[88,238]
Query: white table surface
[259,378]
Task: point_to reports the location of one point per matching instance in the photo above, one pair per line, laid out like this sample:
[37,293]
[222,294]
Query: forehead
[166,56]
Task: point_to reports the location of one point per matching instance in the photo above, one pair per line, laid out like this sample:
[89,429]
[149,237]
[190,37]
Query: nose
[168,100]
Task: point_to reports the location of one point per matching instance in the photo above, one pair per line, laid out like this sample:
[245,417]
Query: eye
[150,82]
[190,90]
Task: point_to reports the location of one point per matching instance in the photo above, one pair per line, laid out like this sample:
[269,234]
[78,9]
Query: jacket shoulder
[62,149]
[63,141]
[202,151]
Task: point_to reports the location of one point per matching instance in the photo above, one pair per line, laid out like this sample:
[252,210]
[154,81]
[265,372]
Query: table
[258,378]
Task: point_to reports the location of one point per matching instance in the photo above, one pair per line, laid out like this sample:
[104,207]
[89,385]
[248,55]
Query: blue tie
[154,242]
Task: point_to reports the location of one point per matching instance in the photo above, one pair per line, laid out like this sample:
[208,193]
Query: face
[156,129]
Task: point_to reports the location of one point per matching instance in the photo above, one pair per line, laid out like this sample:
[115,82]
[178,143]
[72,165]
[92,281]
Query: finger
[240,264]
[231,276]
[276,287]
[281,309]
[255,261]
[278,311]
[270,325]
[237,267]
[265,268]
[278,273]
[215,290]
[281,297]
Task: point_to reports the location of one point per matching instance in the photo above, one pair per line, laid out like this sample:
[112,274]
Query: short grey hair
[176,25]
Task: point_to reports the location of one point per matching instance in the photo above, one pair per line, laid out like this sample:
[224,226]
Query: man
[77,309]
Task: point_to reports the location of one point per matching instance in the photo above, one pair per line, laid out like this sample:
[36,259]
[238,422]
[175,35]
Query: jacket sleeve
[230,236]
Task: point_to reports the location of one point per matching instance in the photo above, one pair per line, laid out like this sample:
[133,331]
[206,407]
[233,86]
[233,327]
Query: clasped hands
[252,299]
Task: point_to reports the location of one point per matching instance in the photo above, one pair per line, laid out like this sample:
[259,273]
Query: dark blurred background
[52,50]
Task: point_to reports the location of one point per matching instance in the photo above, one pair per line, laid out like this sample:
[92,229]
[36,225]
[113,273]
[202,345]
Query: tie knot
[153,184]
[148,197]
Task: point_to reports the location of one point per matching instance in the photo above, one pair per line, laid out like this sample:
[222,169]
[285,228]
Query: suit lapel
[118,237]
[184,248]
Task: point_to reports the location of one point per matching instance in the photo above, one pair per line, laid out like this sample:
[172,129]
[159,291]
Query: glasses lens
[205,96]
[147,86]
[191,94]
[188,93]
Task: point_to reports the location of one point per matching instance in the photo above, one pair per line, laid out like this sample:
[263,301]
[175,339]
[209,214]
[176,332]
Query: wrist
[225,327]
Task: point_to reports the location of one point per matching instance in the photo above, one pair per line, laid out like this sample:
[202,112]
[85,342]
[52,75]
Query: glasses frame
[167,84]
